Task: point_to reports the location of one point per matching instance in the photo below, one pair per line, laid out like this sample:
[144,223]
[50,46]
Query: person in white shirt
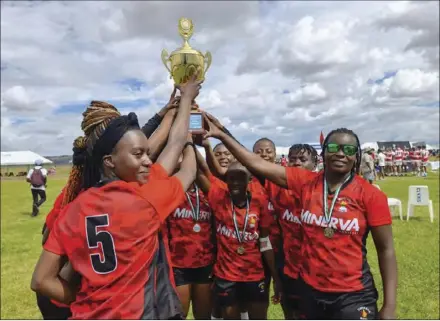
[37,177]
[381,162]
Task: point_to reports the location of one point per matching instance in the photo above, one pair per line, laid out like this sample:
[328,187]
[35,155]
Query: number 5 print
[107,262]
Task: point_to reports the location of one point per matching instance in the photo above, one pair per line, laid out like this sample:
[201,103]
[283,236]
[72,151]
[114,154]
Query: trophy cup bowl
[185,61]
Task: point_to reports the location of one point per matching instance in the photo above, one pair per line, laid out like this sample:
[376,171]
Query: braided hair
[84,174]
[357,164]
[300,149]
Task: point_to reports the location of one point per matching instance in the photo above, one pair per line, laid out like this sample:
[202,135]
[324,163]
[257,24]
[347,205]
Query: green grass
[416,242]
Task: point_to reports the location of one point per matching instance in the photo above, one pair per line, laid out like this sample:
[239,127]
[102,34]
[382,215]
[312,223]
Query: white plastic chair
[418,195]
[394,202]
[377,186]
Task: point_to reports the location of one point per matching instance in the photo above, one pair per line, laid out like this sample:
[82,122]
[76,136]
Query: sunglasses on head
[348,150]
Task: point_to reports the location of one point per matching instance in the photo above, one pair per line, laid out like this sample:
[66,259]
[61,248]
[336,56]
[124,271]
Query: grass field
[416,243]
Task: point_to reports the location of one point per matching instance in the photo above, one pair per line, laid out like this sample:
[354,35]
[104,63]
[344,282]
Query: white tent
[370,145]
[21,158]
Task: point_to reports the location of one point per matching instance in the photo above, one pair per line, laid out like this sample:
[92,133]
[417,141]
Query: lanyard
[195,211]
[234,219]
[328,214]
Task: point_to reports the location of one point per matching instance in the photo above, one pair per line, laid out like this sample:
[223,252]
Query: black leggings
[38,193]
[50,311]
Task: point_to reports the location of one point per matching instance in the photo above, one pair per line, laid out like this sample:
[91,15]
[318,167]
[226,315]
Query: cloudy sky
[285,70]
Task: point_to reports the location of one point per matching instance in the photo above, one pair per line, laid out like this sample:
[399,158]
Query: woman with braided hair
[111,231]
[335,278]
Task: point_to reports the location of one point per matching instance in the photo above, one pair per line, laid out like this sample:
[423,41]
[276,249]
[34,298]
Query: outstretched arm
[188,167]
[179,130]
[156,120]
[257,165]
[158,140]
[203,173]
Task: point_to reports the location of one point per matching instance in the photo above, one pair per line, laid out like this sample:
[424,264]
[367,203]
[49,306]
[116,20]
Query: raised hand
[172,103]
[214,130]
[191,88]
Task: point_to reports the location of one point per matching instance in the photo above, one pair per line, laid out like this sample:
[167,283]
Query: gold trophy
[183,63]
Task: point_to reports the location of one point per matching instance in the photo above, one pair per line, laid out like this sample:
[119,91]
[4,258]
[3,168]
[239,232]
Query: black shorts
[50,311]
[291,292]
[229,293]
[184,276]
[317,305]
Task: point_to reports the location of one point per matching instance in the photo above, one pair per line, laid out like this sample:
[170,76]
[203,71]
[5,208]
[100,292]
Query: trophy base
[196,123]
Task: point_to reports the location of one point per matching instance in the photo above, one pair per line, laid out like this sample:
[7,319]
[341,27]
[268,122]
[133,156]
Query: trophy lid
[186,29]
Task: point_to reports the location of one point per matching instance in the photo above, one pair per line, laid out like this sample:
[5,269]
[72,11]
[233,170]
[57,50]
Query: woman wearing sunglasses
[339,209]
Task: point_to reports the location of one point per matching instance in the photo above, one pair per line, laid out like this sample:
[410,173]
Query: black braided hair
[302,148]
[357,165]
[265,139]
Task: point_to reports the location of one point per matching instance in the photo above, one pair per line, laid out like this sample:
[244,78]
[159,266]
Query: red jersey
[289,208]
[388,156]
[283,162]
[425,156]
[405,154]
[230,265]
[190,247]
[275,238]
[417,155]
[337,264]
[398,155]
[412,155]
[55,211]
[111,236]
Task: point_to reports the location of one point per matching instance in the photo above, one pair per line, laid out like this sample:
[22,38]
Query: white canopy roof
[370,145]
[21,158]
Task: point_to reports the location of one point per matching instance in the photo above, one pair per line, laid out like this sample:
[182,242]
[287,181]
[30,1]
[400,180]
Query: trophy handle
[208,60]
[165,57]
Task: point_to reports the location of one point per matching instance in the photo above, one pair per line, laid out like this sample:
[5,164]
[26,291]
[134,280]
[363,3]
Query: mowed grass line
[416,242]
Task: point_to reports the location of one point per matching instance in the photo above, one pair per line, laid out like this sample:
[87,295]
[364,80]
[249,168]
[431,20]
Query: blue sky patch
[133,84]
[80,107]
[386,75]
[19,121]
[428,104]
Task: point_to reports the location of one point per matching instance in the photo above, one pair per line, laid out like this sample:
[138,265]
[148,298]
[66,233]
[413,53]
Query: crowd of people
[395,161]
[147,227]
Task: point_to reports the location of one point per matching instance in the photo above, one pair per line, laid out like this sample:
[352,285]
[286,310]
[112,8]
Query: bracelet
[188,144]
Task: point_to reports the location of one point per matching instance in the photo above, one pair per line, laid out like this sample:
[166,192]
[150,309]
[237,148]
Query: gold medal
[329,232]
[240,250]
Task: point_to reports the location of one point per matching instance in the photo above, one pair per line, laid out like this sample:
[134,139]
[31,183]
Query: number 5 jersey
[111,236]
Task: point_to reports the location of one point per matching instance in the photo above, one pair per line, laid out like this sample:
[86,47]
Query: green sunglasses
[348,150]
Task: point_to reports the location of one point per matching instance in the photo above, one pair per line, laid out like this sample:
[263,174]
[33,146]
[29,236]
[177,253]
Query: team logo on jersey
[261,286]
[343,208]
[252,220]
[363,313]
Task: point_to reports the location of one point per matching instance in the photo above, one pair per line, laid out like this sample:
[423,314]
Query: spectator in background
[367,166]
[283,161]
[381,163]
[37,177]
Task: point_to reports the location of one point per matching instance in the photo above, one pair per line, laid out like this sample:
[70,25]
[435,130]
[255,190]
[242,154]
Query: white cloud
[286,70]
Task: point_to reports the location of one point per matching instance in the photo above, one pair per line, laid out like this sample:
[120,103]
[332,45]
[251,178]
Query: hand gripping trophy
[183,63]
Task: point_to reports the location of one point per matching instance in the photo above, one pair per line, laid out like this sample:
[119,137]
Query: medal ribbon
[195,211]
[234,219]
[328,214]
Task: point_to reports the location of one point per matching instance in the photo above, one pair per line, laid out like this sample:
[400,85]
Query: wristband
[188,144]
[265,244]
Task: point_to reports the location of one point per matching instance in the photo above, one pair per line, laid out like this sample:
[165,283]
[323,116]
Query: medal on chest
[240,236]
[329,232]
[195,210]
